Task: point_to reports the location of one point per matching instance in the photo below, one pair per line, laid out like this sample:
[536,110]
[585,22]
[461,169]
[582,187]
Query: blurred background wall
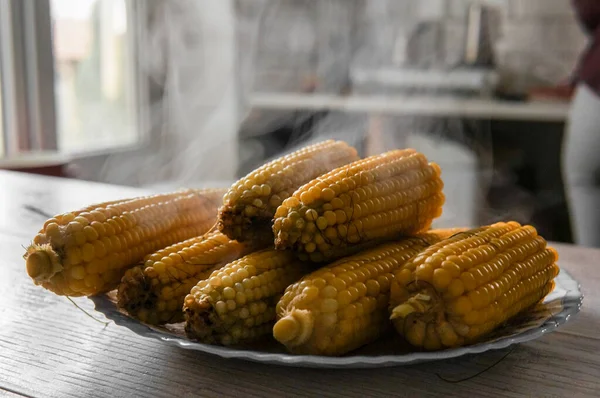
[170,93]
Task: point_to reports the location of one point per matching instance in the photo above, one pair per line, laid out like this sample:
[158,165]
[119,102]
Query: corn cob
[237,303]
[376,198]
[344,305]
[154,292]
[86,252]
[462,288]
[249,206]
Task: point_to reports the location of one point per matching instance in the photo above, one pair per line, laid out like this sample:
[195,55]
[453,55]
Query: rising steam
[208,57]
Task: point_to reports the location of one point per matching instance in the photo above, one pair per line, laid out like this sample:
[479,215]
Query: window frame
[27,72]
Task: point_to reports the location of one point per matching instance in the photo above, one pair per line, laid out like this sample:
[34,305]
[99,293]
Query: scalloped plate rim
[571,295]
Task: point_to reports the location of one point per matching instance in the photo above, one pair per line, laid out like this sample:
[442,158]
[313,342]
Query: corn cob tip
[295,328]
[134,292]
[199,320]
[42,263]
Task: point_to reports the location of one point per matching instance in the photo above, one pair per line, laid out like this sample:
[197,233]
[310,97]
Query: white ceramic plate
[558,307]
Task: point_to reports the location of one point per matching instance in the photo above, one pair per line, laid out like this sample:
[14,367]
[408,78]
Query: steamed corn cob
[249,206]
[376,198]
[344,305]
[86,252]
[464,287]
[154,292]
[237,303]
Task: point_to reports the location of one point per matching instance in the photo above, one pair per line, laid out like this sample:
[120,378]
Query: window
[95,88]
[73,67]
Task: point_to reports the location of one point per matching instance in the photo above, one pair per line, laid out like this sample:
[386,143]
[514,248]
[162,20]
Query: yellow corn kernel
[215,314]
[469,284]
[120,233]
[168,275]
[250,204]
[354,287]
[374,199]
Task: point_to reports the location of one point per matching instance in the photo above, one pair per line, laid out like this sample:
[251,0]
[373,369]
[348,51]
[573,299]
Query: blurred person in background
[581,156]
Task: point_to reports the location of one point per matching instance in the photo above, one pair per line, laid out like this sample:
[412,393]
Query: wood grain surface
[49,348]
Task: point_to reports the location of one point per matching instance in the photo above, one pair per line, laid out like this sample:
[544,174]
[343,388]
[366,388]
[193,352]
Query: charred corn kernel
[123,233]
[168,275]
[375,199]
[346,301]
[469,284]
[250,204]
[213,314]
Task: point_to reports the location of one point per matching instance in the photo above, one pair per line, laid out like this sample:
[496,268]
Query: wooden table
[49,348]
